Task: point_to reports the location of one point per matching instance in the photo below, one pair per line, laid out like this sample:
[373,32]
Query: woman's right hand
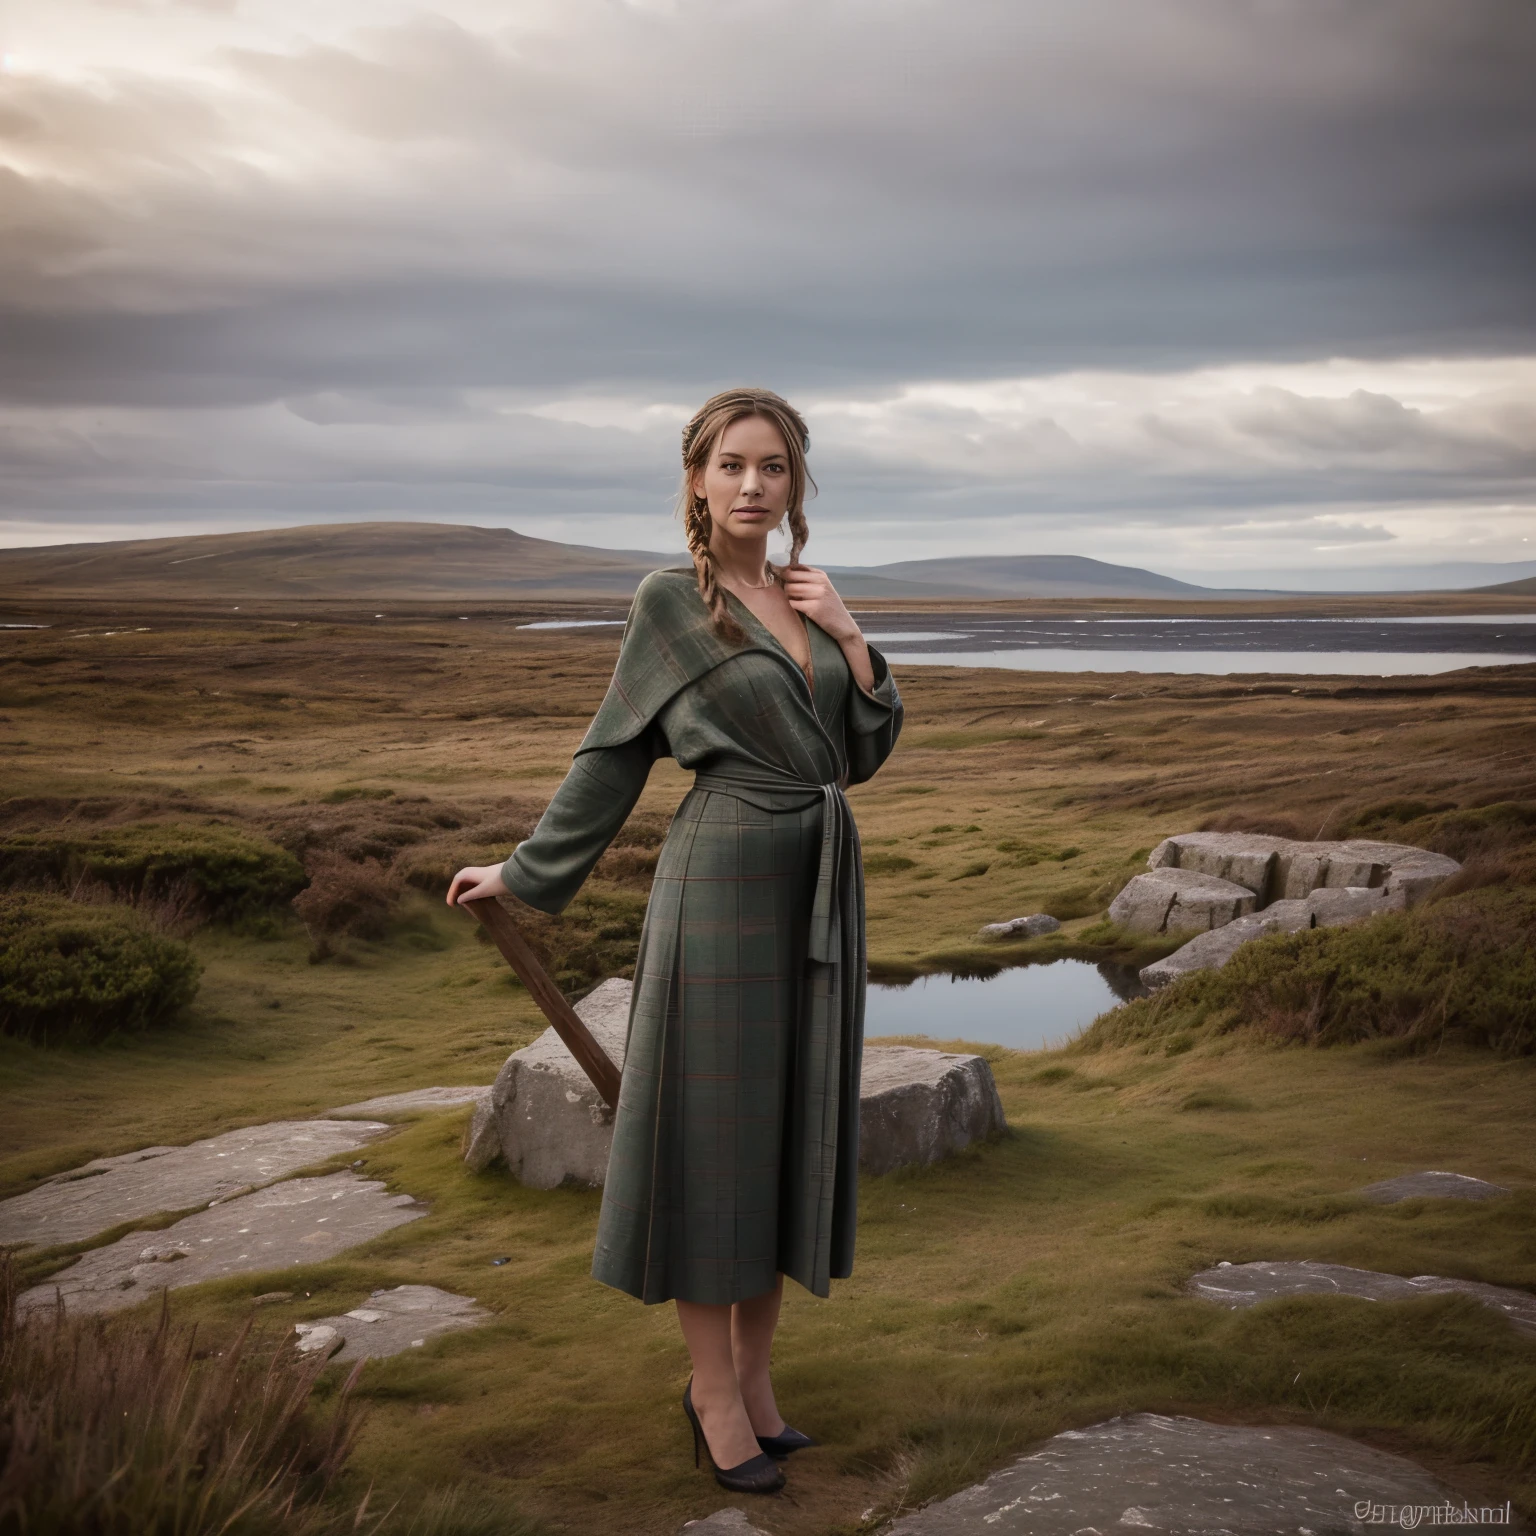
[475,883]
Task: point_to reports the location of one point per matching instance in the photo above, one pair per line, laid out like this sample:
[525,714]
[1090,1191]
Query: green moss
[71,971]
[887,863]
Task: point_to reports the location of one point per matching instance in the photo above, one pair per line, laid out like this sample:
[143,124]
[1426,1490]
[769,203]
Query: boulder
[1173,900]
[543,1116]
[918,1106]
[1034,927]
[545,1120]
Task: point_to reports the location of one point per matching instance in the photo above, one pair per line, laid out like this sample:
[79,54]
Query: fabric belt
[826,931]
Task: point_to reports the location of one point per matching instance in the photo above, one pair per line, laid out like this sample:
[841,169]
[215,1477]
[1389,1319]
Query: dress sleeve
[593,801]
[874,721]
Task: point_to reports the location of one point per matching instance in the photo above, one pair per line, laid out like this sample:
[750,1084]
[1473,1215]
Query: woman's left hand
[810,591]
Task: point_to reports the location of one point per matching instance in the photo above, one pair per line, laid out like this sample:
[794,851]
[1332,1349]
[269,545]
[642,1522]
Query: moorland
[1029,1286]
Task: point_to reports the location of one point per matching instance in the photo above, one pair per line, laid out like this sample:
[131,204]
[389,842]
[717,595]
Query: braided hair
[700,438]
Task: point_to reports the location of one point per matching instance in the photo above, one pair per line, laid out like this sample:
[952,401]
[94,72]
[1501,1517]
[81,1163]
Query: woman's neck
[741,560]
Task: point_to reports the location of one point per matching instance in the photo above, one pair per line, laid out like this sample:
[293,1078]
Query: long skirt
[720,1175]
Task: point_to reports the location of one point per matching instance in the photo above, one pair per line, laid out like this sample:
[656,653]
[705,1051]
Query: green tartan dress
[736,1136]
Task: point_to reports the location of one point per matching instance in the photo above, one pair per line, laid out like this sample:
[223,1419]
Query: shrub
[228,873]
[69,970]
[344,898]
[1463,967]
[125,1428]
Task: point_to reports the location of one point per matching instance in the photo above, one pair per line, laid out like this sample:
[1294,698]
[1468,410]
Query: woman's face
[746,481]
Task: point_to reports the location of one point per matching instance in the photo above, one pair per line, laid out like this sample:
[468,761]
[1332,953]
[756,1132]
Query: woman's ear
[696,483]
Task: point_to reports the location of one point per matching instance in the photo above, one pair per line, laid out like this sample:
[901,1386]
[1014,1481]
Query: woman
[736,1136]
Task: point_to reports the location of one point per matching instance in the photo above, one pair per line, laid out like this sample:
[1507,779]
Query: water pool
[1026,1007]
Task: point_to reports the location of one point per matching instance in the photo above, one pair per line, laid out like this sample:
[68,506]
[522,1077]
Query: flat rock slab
[1245,1285]
[545,1119]
[724,1522]
[1148,1472]
[300,1221]
[1433,1183]
[393,1321]
[75,1206]
[418,1100]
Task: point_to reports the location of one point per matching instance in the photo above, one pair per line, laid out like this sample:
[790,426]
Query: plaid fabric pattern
[735,1149]
[701,1201]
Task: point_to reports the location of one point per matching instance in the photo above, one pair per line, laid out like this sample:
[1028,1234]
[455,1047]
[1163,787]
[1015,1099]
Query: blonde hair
[700,438]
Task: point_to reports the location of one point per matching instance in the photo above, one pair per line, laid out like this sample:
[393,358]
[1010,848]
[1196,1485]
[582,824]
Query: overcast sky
[1212,286]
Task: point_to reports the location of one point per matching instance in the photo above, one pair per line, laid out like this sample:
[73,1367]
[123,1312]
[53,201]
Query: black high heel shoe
[758,1474]
[780,1445]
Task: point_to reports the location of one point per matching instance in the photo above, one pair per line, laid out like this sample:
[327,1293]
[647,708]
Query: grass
[1020,1289]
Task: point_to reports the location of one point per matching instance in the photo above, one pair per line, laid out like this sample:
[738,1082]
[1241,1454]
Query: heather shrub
[227,873]
[78,971]
[347,899]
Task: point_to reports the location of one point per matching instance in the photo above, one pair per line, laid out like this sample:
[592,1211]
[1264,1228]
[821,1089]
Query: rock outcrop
[545,1121]
[1229,887]
[1433,1183]
[74,1206]
[1153,1472]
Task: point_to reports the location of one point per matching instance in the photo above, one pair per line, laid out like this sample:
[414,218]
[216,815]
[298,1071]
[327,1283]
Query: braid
[696,525]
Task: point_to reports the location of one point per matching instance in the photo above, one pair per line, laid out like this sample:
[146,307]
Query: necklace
[762,586]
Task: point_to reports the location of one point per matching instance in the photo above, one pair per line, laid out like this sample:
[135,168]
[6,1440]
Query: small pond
[1026,1007]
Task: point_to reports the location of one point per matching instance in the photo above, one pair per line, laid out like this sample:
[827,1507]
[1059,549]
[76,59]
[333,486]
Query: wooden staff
[579,1041]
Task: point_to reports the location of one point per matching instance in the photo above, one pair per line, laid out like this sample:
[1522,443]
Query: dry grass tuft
[128,1428]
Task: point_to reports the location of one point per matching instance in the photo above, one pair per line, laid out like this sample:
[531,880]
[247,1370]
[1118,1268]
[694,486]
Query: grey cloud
[821,193]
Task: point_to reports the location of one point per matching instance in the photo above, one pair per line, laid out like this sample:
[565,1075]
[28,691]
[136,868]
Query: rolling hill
[377,562]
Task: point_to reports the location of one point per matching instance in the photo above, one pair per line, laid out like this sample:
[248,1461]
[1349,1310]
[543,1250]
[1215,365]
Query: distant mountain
[1009,576]
[1526,588]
